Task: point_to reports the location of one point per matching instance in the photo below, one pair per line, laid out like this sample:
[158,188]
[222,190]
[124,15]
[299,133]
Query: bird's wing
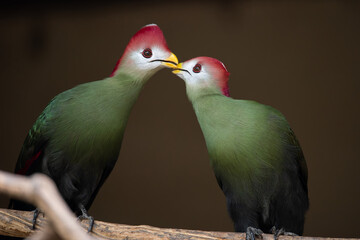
[297,153]
[292,150]
[106,172]
[32,151]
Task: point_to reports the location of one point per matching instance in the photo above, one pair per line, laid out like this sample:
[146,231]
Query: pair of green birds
[255,155]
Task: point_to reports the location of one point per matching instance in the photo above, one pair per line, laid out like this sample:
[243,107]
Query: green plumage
[256,159]
[79,136]
[93,116]
[245,139]
[255,155]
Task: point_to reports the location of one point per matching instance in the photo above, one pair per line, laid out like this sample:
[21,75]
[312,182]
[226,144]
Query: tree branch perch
[18,223]
[41,191]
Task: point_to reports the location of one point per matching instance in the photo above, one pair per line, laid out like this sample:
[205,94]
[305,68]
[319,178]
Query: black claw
[36,214]
[278,232]
[91,221]
[85,215]
[252,233]
[281,231]
[91,224]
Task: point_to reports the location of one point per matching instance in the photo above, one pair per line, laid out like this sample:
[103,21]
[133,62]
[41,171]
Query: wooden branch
[18,223]
[41,191]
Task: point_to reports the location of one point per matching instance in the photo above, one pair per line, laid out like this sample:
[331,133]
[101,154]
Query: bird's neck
[124,80]
[123,88]
[196,95]
[223,129]
[210,109]
[113,96]
[126,67]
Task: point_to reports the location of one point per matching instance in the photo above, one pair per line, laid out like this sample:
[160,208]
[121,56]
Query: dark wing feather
[104,176]
[289,204]
[35,142]
[300,159]
[32,152]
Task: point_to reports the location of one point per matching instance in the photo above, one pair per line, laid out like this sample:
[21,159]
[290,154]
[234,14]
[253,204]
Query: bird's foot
[91,221]
[84,215]
[281,231]
[252,233]
[35,216]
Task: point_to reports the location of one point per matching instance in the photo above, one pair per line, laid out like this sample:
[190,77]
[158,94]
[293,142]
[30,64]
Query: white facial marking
[149,63]
[198,80]
[141,67]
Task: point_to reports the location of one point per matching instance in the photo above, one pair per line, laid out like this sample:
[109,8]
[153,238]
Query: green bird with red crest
[256,158]
[77,138]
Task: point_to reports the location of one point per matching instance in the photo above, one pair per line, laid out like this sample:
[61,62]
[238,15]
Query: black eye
[197,68]
[147,53]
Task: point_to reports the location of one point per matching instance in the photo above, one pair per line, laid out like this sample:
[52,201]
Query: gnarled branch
[18,223]
[41,191]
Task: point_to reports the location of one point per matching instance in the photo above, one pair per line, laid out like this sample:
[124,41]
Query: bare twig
[41,191]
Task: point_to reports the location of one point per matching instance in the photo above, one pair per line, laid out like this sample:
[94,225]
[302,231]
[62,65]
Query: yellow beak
[171,61]
[177,71]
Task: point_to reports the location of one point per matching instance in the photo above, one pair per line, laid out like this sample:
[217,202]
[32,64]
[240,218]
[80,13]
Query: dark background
[301,57]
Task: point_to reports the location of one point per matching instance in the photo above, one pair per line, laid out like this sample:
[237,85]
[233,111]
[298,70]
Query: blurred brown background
[302,57]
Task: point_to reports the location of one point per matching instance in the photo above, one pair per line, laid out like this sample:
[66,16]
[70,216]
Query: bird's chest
[88,136]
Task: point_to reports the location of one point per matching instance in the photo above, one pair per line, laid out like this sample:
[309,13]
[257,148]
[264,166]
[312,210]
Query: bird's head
[146,53]
[204,73]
